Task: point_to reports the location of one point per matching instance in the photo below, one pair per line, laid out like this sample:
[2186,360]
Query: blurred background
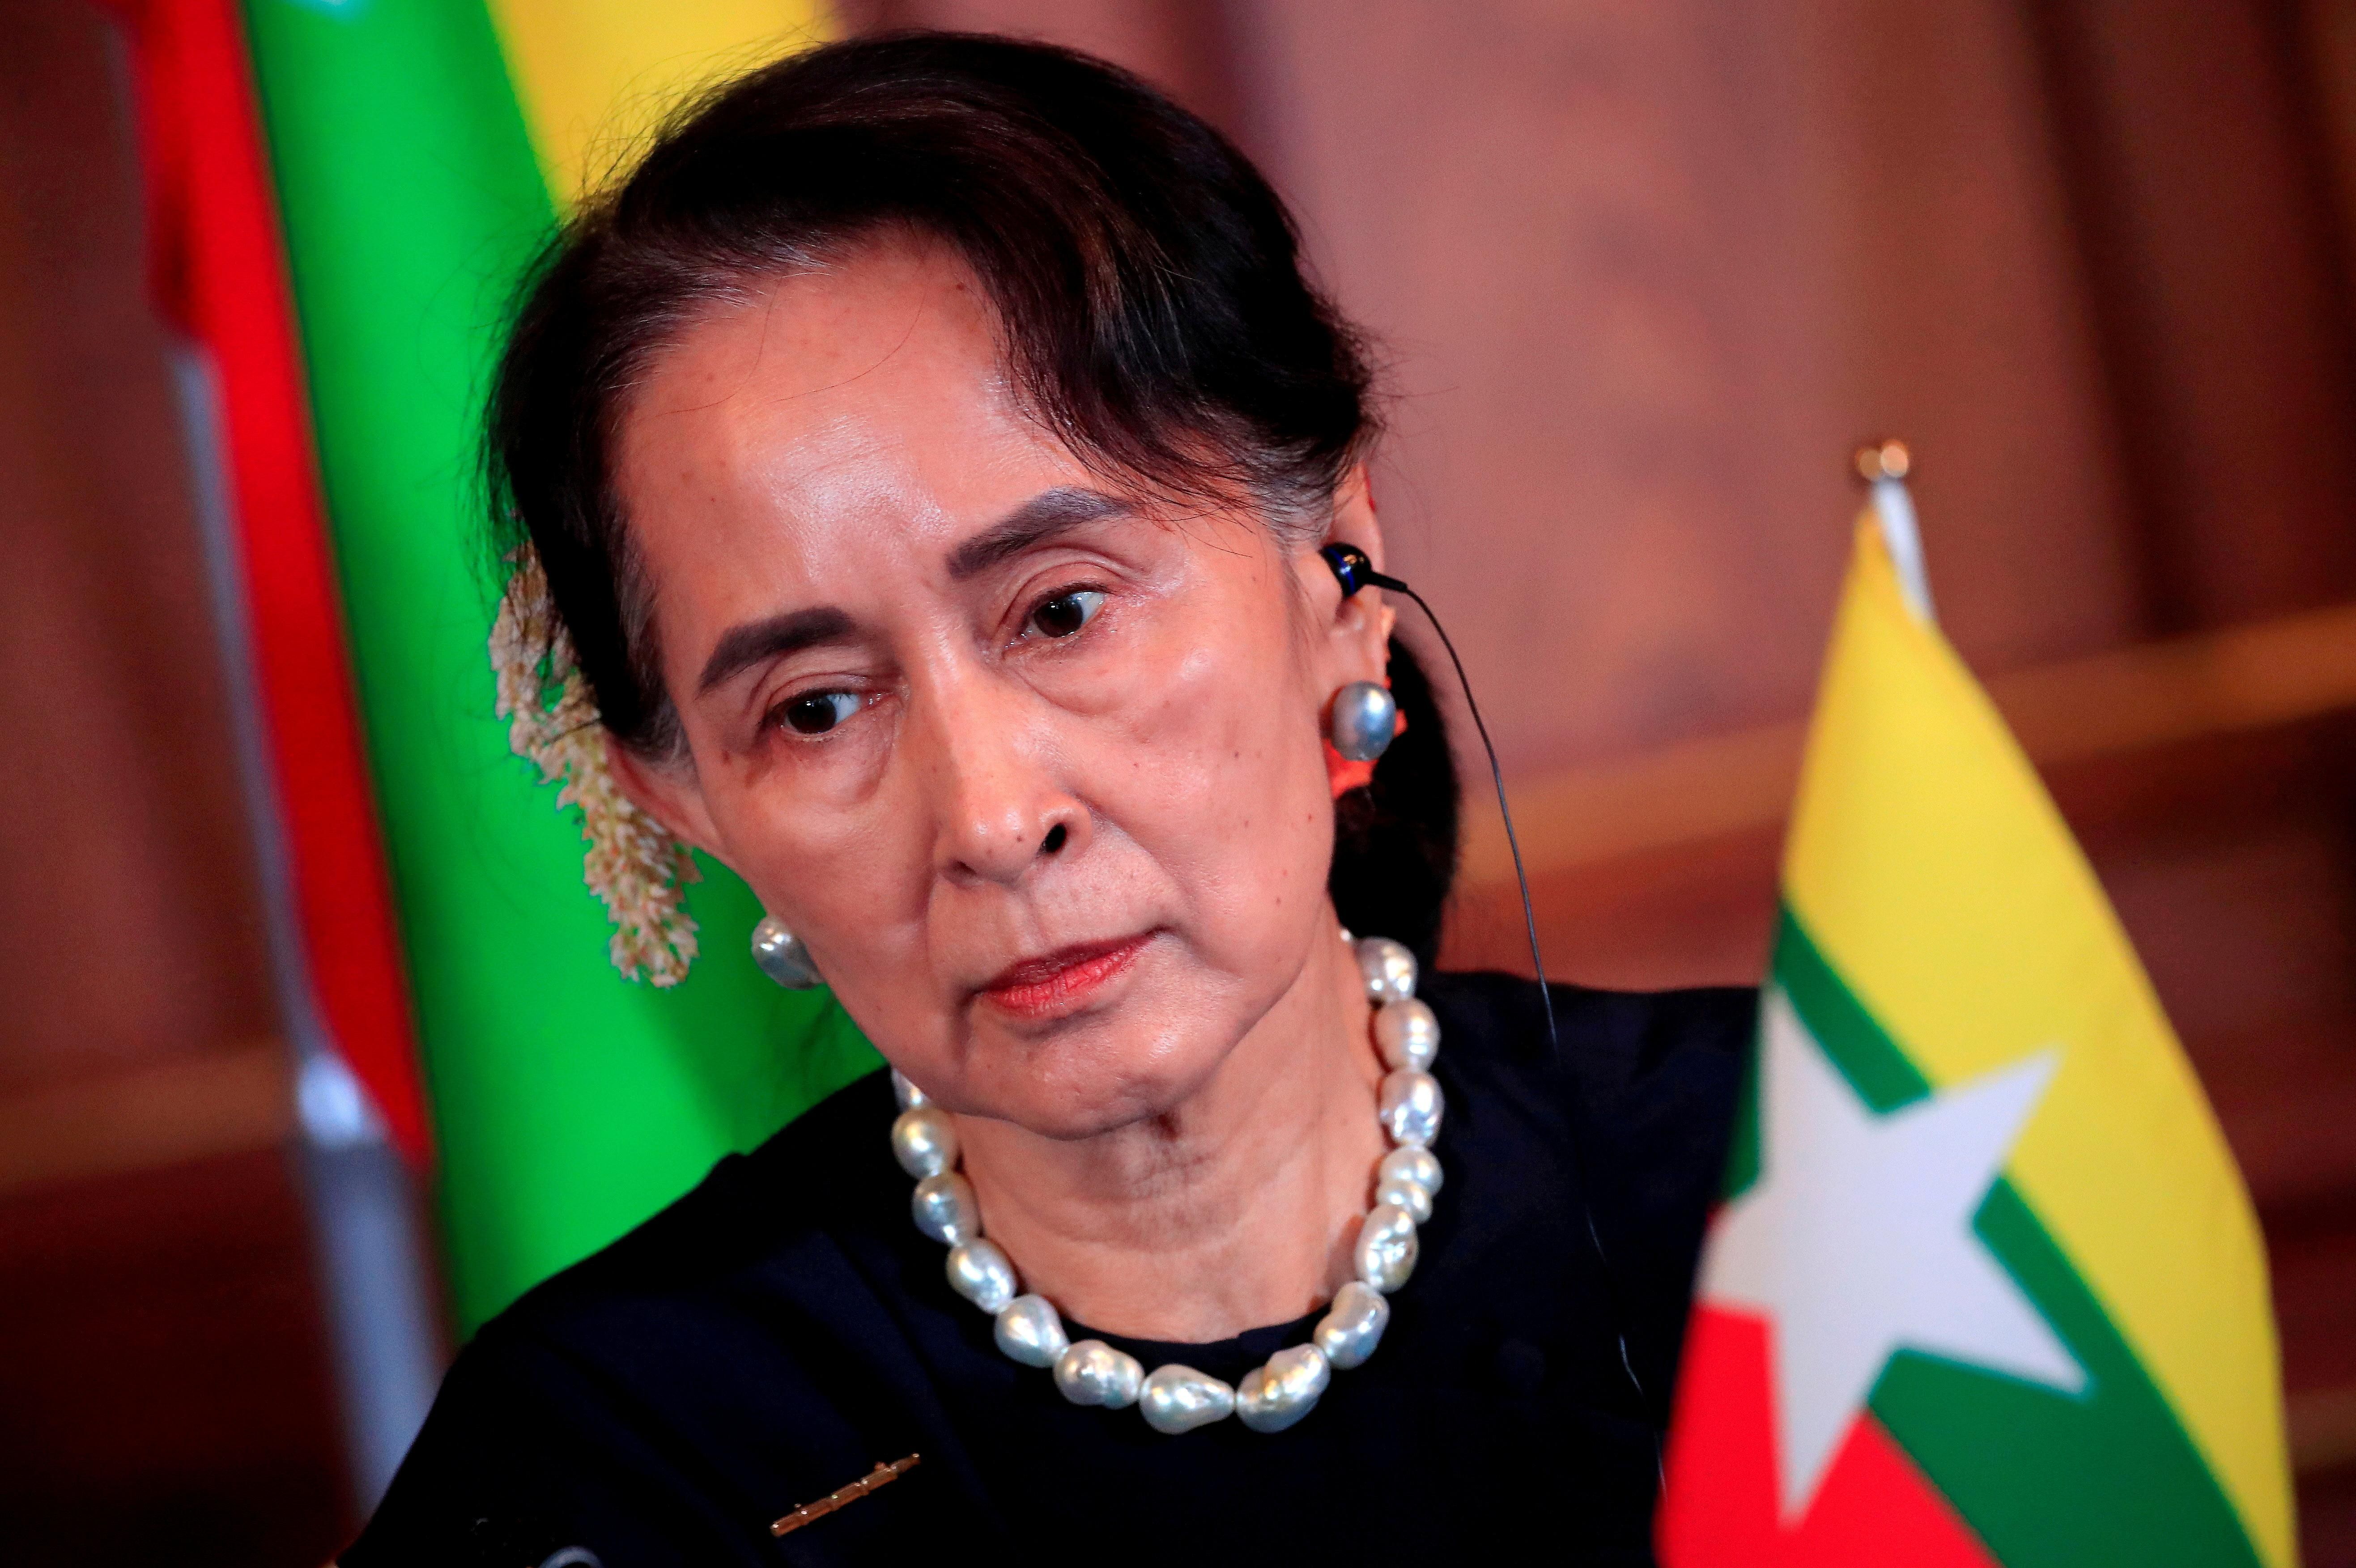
[1643,272]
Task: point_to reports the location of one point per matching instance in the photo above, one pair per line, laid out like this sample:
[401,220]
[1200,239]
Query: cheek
[837,852]
[852,881]
[1222,784]
[852,864]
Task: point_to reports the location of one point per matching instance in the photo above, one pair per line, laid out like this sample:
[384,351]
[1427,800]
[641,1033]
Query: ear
[1356,631]
[671,795]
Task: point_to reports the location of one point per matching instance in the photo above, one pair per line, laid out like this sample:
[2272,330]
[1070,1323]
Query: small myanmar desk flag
[1986,1287]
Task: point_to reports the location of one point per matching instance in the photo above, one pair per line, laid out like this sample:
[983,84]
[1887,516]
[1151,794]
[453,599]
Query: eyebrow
[1040,518]
[755,642]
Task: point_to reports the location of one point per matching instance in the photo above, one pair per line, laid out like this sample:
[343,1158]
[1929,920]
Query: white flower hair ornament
[633,865]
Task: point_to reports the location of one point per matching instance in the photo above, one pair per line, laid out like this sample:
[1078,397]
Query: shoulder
[793,1226]
[1643,1084]
[808,1186]
[1612,1052]
[622,1397]
[1636,1095]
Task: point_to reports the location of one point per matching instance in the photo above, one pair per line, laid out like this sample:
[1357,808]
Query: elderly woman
[933,451]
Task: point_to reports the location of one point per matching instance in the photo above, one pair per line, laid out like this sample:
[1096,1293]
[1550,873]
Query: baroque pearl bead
[1093,1372]
[1029,1331]
[945,1209]
[1389,969]
[1272,1397]
[1353,1326]
[923,1141]
[1179,1399]
[1410,1107]
[1412,1163]
[1365,719]
[980,1273]
[779,954]
[907,1093]
[1407,1033]
[1407,1195]
[1386,1247]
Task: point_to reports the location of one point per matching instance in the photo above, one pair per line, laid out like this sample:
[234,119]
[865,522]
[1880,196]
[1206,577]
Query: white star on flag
[1857,1240]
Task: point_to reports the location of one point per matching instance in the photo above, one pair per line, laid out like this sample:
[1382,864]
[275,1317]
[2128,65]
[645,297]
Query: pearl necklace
[1175,1398]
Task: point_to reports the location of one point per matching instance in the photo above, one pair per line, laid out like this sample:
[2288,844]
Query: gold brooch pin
[881,1476]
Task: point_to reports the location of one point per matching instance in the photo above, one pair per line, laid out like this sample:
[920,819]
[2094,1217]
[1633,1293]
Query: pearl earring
[1365,717]
[782,956]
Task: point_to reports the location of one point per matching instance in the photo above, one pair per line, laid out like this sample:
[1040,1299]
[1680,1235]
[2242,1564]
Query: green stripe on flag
[1882,1075]
[2048,1479]
[568,1103]
[1742,1152]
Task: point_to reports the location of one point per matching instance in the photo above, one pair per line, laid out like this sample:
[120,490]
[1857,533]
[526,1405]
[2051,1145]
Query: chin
[1096,1072]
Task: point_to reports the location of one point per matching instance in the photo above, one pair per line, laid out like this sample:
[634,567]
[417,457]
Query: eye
[1064,613]
[816,713]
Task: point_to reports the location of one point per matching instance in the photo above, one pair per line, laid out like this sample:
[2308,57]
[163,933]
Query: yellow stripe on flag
[1936,876]
[596,76]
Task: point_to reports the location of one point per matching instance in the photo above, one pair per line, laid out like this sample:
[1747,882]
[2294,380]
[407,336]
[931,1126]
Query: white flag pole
[383,1321]
[1883,465]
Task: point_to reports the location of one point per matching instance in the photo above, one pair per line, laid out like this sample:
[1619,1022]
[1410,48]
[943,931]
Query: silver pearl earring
[1365,717]
[782,956]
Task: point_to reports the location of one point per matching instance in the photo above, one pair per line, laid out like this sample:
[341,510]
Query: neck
[1233,1209]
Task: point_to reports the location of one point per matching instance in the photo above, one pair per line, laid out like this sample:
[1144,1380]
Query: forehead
[883,309]
[871,391]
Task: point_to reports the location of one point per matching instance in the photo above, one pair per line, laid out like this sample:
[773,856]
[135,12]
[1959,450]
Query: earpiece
[1354,571]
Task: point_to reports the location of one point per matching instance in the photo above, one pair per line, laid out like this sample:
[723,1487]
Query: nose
[1001,804]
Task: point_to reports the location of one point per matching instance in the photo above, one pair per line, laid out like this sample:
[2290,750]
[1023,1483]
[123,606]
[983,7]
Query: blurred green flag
[420,151]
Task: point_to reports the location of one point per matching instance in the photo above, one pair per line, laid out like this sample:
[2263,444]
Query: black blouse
[783,1328]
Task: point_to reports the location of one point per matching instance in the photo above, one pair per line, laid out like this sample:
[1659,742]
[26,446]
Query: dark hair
[1146,280]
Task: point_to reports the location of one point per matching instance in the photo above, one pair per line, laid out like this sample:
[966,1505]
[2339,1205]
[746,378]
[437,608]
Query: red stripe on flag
[220,270]
[1872,1507]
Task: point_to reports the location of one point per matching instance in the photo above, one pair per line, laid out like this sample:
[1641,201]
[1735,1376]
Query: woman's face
[1031,766]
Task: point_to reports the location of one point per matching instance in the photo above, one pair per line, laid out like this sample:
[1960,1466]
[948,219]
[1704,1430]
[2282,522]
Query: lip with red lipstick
[1060,981]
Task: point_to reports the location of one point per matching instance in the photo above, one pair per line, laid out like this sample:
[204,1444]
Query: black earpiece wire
[1356,570]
